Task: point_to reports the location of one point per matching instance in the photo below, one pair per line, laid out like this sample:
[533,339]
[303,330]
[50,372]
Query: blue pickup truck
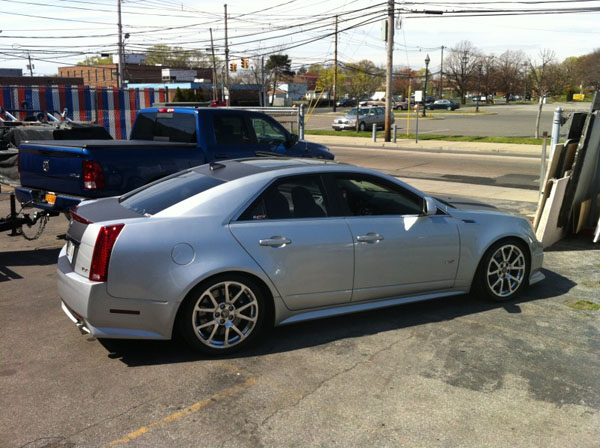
[56,175]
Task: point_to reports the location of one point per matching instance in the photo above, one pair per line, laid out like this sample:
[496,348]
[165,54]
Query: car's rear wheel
[449,107]
[503,270]
[223,315]
[362,126]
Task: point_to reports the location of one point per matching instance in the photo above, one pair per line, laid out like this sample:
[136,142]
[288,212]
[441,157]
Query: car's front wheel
[223,315]
[362,126]
[449,108]
[503,270]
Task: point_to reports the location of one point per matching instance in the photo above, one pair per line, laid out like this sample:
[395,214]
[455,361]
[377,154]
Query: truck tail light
[103,250]
[93,177]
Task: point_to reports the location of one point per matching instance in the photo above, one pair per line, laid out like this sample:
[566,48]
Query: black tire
[362,126]
[506,261]
[243,307]
[450,108]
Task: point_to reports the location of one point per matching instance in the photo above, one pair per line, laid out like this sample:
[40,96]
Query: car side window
[268,133]
[289,198]
[231,130]
[368,195]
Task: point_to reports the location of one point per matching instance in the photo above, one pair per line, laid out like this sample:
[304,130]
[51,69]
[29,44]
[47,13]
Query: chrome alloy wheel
[506,270]
[225,314]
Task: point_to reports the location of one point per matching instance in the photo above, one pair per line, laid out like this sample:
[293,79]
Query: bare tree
[489,76]
[539,74]
[461,67]
[509,73]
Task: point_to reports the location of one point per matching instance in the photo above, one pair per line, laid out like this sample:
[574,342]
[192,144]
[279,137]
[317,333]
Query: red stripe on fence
[62,98]
[132,109]
[117,114]
[21,96]
[100,117]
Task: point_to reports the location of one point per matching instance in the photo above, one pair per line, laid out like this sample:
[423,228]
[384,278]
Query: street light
[427,60]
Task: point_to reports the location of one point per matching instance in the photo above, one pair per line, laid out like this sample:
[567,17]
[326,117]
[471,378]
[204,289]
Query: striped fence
[113,108]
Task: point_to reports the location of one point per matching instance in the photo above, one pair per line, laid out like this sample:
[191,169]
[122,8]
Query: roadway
[481,169]
[516,120]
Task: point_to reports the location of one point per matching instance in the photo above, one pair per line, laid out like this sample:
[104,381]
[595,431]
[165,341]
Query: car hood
[468,208]
[304,148]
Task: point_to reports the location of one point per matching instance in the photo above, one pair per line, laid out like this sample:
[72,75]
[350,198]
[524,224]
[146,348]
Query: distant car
[367,116]
[346,102]
[223,251]
[443,104]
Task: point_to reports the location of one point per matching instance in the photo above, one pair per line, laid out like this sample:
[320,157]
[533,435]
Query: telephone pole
[30,66]
[441,94]
[121,65]
[335,65]
[388,75]
[226,88]
[214,66]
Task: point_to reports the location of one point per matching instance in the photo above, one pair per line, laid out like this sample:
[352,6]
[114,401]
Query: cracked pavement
[450,372]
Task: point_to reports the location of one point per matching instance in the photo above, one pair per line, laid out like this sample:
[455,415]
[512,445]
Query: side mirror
[292,140]
[429,206]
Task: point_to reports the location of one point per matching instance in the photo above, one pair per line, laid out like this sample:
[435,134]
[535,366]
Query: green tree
[277,66]
[161,54]
[96,60]
[361,79]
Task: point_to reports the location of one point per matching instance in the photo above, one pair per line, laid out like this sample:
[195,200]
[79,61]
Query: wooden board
[569,157]
[583,213]
[547,185]
[578,164]
[548,231]
[597,232]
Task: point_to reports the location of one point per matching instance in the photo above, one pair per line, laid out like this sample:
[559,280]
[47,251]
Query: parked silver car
[367,116]
[222,251]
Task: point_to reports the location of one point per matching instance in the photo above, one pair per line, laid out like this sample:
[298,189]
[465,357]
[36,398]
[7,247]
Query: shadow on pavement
[31,257]
[574,243]
[318,332]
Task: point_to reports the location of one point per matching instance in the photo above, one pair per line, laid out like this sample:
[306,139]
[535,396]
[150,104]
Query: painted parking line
[183,413]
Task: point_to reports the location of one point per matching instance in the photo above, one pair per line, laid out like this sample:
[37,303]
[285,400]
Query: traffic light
[244,62]
[233,67]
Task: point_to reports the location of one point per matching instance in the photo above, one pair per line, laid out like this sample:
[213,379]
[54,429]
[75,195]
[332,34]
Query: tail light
[102,251]
[93,177]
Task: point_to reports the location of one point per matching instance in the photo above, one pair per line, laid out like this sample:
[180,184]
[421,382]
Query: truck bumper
[37,198]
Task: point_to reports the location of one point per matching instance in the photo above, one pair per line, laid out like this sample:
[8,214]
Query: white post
[374,132]
[556,123]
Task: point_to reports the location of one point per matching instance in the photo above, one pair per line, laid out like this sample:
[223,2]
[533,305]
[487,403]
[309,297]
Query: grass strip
[448,138]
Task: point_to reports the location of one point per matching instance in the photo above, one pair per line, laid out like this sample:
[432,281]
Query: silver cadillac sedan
[220,252]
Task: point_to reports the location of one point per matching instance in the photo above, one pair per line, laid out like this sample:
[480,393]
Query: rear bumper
[343,126]
[94,311]
[36,198]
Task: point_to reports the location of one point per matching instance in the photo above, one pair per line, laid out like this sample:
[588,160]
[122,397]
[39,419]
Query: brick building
[39,81]
[106,75]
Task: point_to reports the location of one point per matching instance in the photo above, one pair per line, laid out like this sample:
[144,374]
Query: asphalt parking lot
[451,372]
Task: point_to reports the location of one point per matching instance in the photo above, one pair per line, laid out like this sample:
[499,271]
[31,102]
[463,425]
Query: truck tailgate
[51,166]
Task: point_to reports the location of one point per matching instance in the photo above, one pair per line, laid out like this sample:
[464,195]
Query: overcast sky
[62,32]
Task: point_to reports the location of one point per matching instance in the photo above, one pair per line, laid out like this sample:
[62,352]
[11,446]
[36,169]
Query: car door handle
[275,241]
[369,238]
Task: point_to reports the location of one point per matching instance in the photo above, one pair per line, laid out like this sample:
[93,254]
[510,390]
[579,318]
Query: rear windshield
[163,194]
[165,126]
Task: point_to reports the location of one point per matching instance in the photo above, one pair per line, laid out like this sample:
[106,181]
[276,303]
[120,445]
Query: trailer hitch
[14,222]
